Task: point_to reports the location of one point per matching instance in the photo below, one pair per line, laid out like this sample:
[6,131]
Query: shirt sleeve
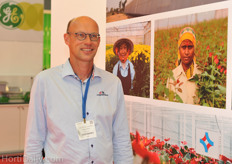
[115,69]
[121,136]
[132,74]
[36,125]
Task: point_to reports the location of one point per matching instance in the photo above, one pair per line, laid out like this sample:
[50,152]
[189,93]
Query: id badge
[86,130]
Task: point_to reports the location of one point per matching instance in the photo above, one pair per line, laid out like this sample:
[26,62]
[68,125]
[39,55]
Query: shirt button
[91,145]
[87,113]
[92,161]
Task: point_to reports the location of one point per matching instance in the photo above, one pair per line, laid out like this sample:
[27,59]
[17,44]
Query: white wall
[18,58]
[61,13]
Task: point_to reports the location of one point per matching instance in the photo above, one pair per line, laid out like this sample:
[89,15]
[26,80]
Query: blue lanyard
[84,98]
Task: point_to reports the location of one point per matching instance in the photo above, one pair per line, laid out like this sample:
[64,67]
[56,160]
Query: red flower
[224,158]
[224,60]
[166,139]
[184,142]
[210,54]
[137,136]
[221,70]
[222,44]
[192,151]
[161,144]
[216,60]
[143,152]
[225,71]
[193,161]
[175,147]
[150,147]
[168,151]
[207,48]
[153,138]
[147,142]
[219,67]
[215,57]
[178,160]
[175,156]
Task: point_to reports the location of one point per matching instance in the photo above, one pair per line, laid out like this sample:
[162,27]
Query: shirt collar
[127,63]
[181,70]
[68,71]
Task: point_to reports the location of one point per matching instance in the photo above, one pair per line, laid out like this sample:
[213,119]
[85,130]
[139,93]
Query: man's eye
[81,35]
[184,47]
[94,35]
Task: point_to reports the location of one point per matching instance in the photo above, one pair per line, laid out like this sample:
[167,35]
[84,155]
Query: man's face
[123,53]
[187,53]
[82,50]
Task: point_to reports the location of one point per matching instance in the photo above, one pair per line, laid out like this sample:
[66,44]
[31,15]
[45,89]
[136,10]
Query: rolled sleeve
[36,124]
[121,138]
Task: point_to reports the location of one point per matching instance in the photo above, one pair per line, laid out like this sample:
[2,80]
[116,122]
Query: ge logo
[11,14]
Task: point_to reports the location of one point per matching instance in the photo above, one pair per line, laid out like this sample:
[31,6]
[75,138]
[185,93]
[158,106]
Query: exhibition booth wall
[149,112]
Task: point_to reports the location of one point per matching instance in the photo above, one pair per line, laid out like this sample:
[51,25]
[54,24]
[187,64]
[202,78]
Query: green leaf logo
[11,15]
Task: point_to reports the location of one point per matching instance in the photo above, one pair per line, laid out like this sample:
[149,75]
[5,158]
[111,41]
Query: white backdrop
[61,13]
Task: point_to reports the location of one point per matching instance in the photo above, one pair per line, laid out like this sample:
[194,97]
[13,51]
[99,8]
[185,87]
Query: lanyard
[84,98]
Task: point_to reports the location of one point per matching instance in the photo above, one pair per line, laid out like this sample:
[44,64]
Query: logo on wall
[11,15]
[206,142]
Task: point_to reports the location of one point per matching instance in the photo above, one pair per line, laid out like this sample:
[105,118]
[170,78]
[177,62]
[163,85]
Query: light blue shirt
[56,105]
[124,72]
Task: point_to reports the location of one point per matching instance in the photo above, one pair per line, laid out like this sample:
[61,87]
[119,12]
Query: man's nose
[186,51]
[88,39]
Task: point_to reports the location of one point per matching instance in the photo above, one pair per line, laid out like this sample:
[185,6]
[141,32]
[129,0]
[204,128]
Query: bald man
[77,111]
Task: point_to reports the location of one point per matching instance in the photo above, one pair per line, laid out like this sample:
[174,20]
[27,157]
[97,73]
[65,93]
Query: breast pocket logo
[102,93]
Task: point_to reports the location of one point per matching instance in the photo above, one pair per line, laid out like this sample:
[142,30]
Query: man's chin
[123,61]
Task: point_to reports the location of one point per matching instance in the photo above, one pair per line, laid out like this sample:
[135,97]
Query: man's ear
[66,39]
[116,50]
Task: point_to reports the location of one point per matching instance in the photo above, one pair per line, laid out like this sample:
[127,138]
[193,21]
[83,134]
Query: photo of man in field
[186,68]
[128,54]
[192,53]
[124,69]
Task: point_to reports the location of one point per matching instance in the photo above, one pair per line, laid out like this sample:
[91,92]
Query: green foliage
[4,99]
[212,82]
[142,77]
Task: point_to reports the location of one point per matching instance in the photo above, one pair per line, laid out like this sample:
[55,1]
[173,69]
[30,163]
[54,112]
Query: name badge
[86,130]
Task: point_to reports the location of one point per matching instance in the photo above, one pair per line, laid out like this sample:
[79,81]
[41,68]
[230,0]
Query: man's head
[187,53]
[123,48]
[83,39]
[186,46]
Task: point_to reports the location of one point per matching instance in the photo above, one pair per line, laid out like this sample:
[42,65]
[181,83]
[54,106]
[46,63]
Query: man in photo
[124,69]
[186,68]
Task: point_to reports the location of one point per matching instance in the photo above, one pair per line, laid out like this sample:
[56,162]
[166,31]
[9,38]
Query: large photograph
[128,56]
[190,56]
[117,10]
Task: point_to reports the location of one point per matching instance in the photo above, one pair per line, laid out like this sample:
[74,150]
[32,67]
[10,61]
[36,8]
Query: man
[77,111]
[124,69]
[186,68]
